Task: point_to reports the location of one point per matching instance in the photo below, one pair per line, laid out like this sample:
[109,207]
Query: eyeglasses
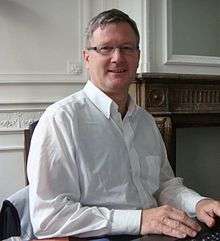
[108,50]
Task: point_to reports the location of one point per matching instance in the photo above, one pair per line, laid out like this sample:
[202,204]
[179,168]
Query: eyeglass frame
[122,49]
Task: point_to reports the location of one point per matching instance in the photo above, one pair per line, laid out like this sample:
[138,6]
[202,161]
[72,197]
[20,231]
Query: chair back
[27,141]
[15,217]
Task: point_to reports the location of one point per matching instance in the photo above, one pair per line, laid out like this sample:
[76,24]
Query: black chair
[15,217]
[27,142]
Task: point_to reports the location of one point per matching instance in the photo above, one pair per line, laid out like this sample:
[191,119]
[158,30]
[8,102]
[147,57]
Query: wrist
[200,202]
[141,218]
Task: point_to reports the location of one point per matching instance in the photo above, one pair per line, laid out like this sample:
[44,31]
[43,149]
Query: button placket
[135,165]
[117,121]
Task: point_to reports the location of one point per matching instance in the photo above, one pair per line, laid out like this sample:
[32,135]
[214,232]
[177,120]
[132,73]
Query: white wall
[41,62]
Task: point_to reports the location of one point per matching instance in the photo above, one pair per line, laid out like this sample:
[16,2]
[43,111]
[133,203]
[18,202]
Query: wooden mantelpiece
[178,100]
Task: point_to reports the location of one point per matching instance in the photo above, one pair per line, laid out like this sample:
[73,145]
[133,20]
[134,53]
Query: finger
[217,208]
[206,218]
[167,230]
[183,218]
[206,210]
[180,227]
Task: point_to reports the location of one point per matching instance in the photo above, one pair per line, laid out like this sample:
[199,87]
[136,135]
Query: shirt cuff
[126,222]
[191,207]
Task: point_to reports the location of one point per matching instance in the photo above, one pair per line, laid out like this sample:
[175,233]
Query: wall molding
[146,35]
[12,149]
[23,106]
[193,60]
[11,131]
[19,119]
[40,78]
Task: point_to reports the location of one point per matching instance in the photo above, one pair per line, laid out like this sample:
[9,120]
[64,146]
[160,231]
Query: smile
[117,70]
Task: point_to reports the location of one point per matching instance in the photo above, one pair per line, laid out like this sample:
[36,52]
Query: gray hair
[107,17]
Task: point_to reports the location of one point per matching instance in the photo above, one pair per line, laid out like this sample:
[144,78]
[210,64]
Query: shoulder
[64,112]
[144,115]
[69,106]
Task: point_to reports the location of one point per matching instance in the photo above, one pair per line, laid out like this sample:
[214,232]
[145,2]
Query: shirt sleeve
[172,191]
[54,191]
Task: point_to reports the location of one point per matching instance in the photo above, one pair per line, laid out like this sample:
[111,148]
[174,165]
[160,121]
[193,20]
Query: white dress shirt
[91,173]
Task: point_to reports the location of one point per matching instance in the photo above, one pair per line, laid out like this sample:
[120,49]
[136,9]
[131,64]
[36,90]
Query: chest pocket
[150,172]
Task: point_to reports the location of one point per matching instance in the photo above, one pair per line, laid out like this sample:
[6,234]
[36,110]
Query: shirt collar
[104,103]
[98,98]
[131,106]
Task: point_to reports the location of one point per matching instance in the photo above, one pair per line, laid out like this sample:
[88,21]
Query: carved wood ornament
[179,100]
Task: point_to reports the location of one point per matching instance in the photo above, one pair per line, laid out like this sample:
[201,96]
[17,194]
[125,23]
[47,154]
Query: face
[114,72]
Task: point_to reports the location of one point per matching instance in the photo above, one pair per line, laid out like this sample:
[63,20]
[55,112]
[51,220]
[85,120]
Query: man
[98,165]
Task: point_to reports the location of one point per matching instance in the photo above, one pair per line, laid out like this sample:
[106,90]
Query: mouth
[117,71]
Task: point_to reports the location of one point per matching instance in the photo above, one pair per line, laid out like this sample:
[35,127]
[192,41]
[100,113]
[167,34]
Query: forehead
[114,32]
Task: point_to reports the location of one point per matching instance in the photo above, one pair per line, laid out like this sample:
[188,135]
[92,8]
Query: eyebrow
[111,44]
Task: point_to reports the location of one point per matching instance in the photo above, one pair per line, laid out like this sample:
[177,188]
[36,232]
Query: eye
[128,49]
[105,49]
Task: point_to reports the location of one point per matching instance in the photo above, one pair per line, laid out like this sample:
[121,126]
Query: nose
[117,55]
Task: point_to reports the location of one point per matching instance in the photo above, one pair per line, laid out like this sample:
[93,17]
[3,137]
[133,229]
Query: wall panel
[11,162]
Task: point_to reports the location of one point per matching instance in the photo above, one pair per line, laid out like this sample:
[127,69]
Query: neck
[122,102]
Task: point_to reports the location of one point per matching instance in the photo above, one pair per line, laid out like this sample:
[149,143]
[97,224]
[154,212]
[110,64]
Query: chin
[118,84]
[120,80]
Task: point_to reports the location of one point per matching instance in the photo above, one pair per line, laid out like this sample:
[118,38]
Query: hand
[56,239]
[169,221]
[207,210]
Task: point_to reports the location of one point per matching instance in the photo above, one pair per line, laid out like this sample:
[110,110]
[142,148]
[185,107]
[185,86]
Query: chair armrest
[53,239]
[62,239]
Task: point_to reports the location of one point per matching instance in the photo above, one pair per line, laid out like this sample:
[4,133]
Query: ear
[86,57]
[139,54]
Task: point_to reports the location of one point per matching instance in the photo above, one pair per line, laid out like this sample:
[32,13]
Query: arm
[172,191]
[175,202]
[55,188]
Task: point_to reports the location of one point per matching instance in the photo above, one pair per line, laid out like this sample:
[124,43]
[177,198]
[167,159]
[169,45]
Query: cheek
[133,65]
[133,62]
[98,69]
[99,63]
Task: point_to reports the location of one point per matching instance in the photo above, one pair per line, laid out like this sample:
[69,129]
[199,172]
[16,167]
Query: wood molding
[179,93]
